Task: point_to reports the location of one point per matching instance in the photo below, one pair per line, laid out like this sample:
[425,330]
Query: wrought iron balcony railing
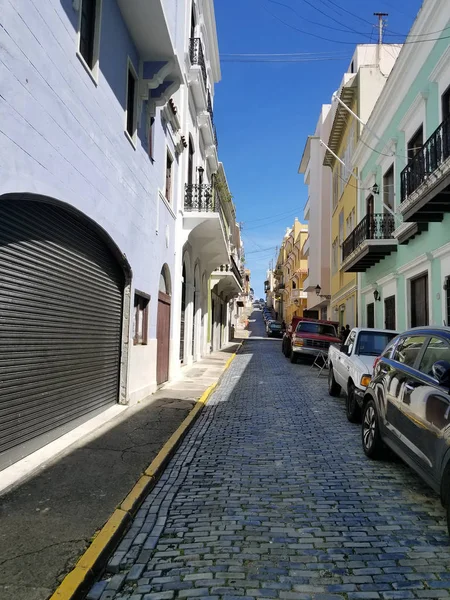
[211,114]
[378,226]
[197,56]
[432,154]
[200,197]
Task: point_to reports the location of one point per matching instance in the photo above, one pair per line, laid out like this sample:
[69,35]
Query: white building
[317,213]
[106,163]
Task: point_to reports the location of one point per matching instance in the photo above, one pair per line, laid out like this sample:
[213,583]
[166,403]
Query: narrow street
[271,496]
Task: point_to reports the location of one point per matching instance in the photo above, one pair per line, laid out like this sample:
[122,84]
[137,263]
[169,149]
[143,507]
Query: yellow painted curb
[80,578]
[73,583]
[144,483]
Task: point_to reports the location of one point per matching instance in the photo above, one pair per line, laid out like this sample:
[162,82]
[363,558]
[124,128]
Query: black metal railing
[280,286]
[200,197]
[211,114]
[197,56]
[432,154]
[378,226]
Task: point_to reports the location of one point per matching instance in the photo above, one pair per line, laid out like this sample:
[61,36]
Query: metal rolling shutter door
[61,296]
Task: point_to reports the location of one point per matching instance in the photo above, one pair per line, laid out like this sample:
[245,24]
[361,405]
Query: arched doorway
[163,326]
[61,308]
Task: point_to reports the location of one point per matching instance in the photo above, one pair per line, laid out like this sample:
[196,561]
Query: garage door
[61,294]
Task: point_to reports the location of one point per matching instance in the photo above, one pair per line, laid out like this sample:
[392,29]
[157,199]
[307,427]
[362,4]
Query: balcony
[298,295]
[368,243]
[197,74]
[305,249]
[425,181]
[306,210]
[228,279]
[154,37]
[203,225]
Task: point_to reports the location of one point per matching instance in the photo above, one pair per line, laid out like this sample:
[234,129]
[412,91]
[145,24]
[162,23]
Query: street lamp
[318,290]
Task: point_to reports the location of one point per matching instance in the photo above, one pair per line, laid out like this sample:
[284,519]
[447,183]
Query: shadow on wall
[116,45]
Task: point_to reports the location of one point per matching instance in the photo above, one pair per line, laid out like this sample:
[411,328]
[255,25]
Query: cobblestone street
[271,496]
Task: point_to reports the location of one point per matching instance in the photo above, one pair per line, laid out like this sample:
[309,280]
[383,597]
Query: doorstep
[50,518]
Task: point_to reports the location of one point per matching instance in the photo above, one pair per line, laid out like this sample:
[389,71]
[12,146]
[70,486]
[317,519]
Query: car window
[317,328]
[437,349]
[408,349]
[351,338]
[373,343]
[388,350]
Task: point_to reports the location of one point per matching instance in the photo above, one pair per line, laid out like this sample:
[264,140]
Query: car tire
[352,408]
[370,432]
[334,389]
[293,357]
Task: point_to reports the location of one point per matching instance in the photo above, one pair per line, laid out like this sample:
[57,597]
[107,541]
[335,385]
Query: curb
[78,581]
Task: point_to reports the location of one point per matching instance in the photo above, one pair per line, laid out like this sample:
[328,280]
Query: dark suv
[407,405]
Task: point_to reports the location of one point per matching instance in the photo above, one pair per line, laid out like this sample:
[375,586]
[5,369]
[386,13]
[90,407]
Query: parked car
[274,329]
[312,337]
[290,330]
[407,405]
[351,365]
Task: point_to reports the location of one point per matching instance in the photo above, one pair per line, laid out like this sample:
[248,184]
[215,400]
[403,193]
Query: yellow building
[342,141]
[292,270]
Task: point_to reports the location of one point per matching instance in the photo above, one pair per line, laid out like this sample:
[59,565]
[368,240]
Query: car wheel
[353,410]
[370,431]
[334,389]
[293,357]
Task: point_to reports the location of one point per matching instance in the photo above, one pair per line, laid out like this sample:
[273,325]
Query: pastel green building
[401,245]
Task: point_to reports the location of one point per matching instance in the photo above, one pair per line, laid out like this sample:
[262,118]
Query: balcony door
[190,174]
[389,312]
[445,120]
[370,210]
[419,301]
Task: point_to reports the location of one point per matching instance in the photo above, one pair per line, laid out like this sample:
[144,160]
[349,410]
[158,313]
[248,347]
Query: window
[447,299]
[389,312]
[168,190]
[350,223]
[316,328]
[408,349]
[415,143]
[437,349]
[388,189]
[334,256]
[190,175]
[335,188]
[370,206]
[89,31]
[131,101]
[446,104]
[373,343]
[341,228]
[140,325]
[419,301]
[193,21]
[370,308]
[151,138]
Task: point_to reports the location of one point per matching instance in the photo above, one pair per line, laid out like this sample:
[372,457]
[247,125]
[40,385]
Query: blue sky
[264,111]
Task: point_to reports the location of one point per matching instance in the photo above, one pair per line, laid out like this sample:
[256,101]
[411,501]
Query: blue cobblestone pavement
[270,496]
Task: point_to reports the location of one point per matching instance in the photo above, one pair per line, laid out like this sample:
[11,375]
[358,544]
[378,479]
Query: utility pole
[381,24]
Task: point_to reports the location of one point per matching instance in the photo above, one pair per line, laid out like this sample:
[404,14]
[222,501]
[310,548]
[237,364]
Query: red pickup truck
[308,337]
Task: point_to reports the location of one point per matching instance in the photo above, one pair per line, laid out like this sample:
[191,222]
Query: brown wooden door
[419,301]
[163,338]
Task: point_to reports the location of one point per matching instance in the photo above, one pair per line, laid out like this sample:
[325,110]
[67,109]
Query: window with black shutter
[419,301]
[415,143]
[87,31]
[447,300]
[388,190]
[389,312]
[131,101]
[371,315]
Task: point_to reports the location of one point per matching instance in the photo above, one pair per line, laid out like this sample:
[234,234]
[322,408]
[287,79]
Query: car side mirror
[344,348]
[441,372]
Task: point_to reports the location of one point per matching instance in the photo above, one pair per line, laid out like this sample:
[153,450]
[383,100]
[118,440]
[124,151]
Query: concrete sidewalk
[48,522]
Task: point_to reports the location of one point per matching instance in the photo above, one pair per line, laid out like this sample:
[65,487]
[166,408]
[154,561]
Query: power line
[283,60]
[320,37]
[347,28]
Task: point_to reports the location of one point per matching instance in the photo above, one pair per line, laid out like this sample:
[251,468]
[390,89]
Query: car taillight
[376,361]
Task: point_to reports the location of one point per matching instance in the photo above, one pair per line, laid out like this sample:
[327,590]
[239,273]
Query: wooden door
[419,301]
[389,312]
[163,338]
